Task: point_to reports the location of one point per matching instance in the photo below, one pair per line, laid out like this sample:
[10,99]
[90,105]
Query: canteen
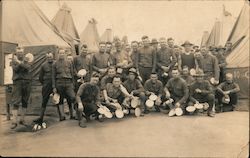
[192,72]
[226,99]
[29,57]
[206,106]
[190,109]
[82,73]
[149,103]
[119,113]
[137,112]
[153,97]
[108,114]
[135,102]
[178,111]
[119,70]
[56,98]
[213,81]
[164,74]
[171,113]
[198,106]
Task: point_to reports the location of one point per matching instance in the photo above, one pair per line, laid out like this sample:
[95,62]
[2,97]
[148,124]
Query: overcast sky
[182,20]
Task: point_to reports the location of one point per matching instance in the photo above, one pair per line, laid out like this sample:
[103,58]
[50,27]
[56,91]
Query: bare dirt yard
[154,135]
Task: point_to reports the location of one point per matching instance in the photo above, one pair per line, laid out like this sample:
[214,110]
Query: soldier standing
[21,86]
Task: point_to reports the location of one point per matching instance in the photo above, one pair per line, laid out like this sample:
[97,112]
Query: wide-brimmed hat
[199,73]
[195,46]
[186,43]
[133,70]
[154,41]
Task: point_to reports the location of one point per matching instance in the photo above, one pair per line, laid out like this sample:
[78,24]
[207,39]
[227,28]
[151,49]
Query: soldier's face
[102,47]
[108,48]
[50,57]
[187,48]
[117,82]
[127,48]
[20,54]
[84,51]
[111,72]
[134,46]
[146,42]
[153,77]
[229,78]
[62,54]
[171,43]
[203,50]
[94,80]
[163,43]
[131,76]
[185,71]
[175,73]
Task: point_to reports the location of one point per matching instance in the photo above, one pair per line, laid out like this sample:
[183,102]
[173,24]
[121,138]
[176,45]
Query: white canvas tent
[107,36]
[90,36]
[24,23]
[221,29]
[204,38]
[238,59]
[64,22]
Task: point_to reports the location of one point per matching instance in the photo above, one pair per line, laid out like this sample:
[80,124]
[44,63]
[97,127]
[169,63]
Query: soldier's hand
[197,90]
[227,92]
[107,101]
[54,90]
[196,102]
[80,106]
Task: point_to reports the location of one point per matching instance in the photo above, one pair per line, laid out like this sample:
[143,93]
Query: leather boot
[81,121]
[14,121]
[22,112]
[61,112]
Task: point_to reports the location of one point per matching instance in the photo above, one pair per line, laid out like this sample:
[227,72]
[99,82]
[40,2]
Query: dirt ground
[154,135]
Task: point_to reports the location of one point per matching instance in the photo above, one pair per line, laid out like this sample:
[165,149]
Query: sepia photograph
[124,78]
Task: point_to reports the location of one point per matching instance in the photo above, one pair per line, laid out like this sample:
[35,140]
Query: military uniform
[234,89]
[45,78]
[123,57]
[206,94]
[21,84]
[165,57]
[81,62]
[178,89]
[146,62]
[114,93]
[62,80]
[188,78]
[187,60]
[101,61]
[21,90]
[89,95]
[222,66]
[209,65]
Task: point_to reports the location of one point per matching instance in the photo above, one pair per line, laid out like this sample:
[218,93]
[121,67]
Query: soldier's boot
[40,119]
[60,109]
[14,120]
[71,112]
[22,113]
[81,121]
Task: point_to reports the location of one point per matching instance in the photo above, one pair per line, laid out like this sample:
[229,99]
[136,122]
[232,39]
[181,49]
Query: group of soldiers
[141,76]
